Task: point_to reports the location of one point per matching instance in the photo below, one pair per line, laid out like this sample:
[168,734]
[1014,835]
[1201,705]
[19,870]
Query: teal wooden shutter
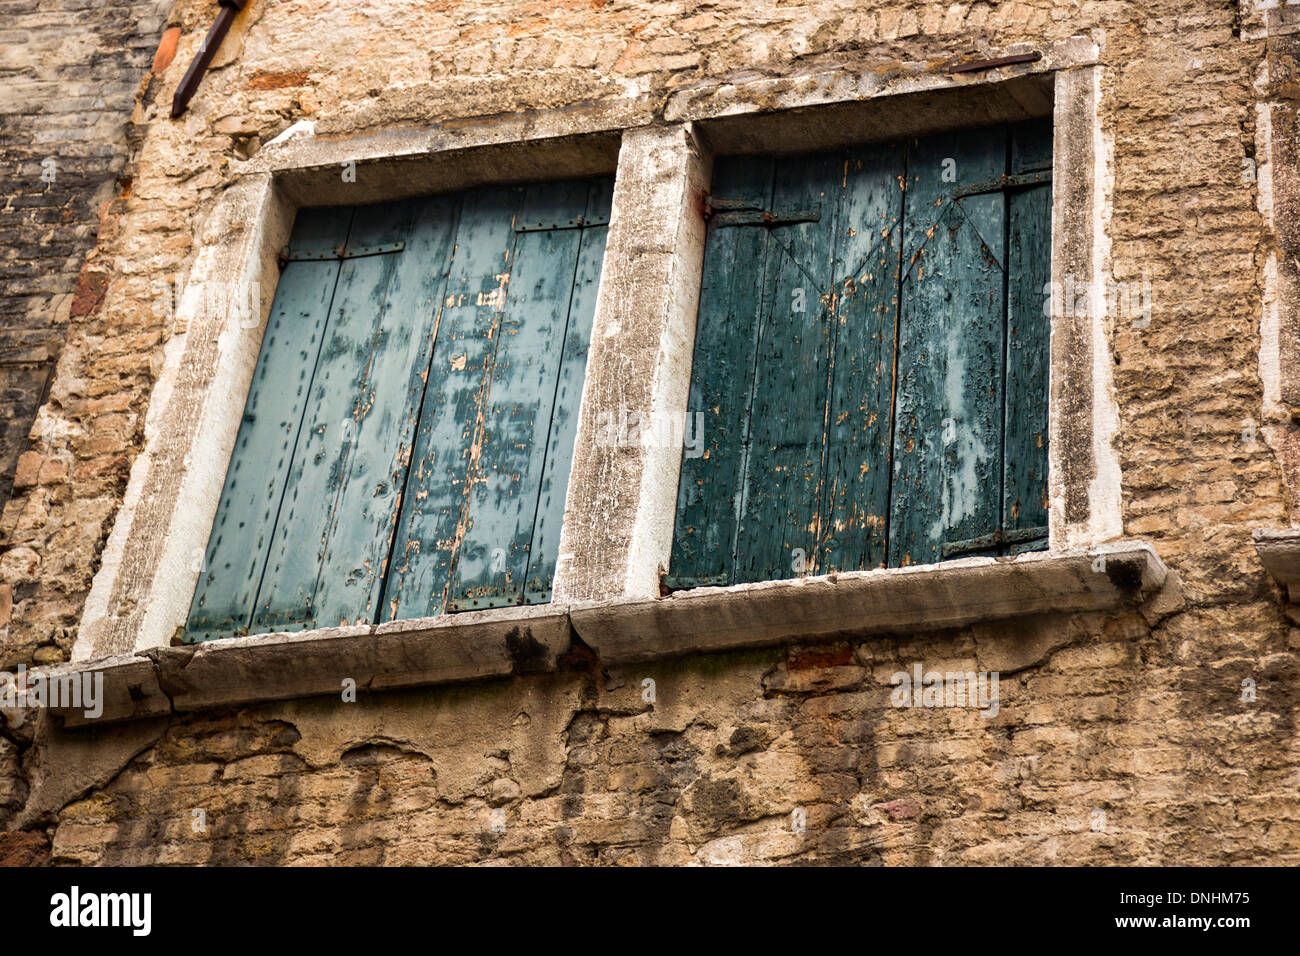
[268,433]
[855,500]
[327,555]
[1029,271]
[901,416]
[782,473]
[732,301]
[947,418]
[480,527]
[414,403]
[545,544]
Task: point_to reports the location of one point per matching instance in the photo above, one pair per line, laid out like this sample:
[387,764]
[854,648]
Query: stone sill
[920,598]
[1279,552]
[503,642]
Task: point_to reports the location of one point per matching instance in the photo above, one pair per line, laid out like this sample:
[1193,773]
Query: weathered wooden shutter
[871,359]
[410,425]
[480,526]
[1029,270]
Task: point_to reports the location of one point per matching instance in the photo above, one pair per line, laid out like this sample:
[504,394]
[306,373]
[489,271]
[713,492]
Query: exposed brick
[276,81]
[29,469]
[166,51]
[1146,722]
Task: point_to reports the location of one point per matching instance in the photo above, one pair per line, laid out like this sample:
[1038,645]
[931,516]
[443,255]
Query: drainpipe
[229,9]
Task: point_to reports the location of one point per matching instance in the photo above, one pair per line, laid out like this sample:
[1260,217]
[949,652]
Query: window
[871,359]
[406,443]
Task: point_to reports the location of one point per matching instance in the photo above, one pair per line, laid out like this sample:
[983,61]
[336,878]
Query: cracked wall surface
[1142,720]
[580,767]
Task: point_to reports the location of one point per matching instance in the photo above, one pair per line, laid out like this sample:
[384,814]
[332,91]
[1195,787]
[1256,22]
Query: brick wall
[1141,720]
[70,73]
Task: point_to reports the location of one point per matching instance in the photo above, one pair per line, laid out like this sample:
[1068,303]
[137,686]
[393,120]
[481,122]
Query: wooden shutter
[327,555]
[415,399]
[947,419]
[732,301]
[1029,271]
[855,508]
[268,433]
[874,427]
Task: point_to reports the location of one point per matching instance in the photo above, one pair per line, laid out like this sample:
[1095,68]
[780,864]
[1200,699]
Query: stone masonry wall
[1139,719]
[1113,744]
[70,72]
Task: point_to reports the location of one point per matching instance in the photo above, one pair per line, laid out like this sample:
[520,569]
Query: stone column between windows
[622,497]
[1084,505]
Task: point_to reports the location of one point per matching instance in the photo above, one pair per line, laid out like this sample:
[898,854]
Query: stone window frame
[1258,19]
[621,501]
[1274,172]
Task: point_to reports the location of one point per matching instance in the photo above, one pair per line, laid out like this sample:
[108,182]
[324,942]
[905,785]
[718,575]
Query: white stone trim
[621,501]
[1084,481]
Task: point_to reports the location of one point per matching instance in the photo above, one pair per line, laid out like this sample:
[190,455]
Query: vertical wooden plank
[568,396]
[431,526]
[1031,145]
[722,375]
[286,599]
[778,535]
[383,416]
[268,434]
[948,417]
[1029,267]
[855,506]
[525,365]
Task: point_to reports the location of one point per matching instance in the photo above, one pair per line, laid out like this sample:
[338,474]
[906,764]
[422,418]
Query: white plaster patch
[301,128]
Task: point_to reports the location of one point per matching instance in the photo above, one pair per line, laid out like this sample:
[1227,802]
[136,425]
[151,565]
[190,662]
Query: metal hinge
[673,582]
[739,212]
[1003,184]
[339,252]
[483,602]
[953,549]
[576,223]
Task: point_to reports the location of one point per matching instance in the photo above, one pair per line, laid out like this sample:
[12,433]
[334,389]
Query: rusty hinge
[338,252]
[529,596]
[1003,184]
[578,222]
[485,601]
[739,212]
[953,549]
[673,582]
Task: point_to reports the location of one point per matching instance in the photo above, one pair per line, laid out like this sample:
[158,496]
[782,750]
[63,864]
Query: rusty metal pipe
[207,50]
[973,65]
